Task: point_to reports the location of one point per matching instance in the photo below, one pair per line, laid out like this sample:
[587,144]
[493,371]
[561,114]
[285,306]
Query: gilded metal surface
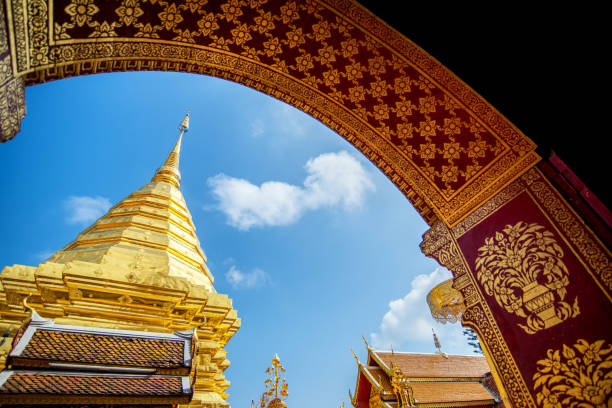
[596,255]
[139,267]
[440,244]
[444,147]
[500,272]
[575,376]
[522,267]
[276,385]
[446,303]
[401,388]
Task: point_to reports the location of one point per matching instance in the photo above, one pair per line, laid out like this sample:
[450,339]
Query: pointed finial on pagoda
[169,171]
[184,126]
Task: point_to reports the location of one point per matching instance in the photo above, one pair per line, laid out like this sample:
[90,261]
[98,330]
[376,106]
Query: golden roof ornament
[400,384]
[276,387]
[355,355]
[446,303]
[366,343]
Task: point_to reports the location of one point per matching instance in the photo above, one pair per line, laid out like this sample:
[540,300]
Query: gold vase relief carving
[576,377]
[522,267]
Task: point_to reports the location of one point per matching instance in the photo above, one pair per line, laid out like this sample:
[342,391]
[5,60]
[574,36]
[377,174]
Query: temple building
[126,314]
[398,380]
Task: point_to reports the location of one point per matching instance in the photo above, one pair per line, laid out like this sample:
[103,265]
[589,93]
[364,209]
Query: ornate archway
[439,142]
[469,172]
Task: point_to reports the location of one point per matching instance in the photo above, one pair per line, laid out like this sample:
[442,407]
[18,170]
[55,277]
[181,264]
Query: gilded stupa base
[84,294]
[140,267]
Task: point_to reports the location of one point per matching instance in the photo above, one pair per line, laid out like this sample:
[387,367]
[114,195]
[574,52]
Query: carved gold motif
[522,268]
[401,387]
[579,376]
[440,244]
[12,105]
[446,303]
[595,255]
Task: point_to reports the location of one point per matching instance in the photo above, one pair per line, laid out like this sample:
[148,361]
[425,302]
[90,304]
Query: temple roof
[76,364]
[423,379]
[66,384]
[44,344]
[441,392]
[418,365]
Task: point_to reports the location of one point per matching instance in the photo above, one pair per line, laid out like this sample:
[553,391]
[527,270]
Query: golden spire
[148,235]
[273,383]
[169,171]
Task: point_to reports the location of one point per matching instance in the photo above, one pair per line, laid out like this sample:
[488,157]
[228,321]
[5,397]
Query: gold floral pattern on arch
[522,267]
[577,376]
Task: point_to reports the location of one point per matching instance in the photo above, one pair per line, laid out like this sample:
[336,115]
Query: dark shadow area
[541,68]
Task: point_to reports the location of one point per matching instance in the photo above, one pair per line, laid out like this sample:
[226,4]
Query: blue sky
[311,262]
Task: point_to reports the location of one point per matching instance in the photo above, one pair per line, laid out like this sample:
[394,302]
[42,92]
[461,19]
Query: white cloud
[85,209]
[407,324]
[249,280]
[334,179]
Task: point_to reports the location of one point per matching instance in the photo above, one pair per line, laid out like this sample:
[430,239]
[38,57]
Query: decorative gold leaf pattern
[576,377]
[522,268]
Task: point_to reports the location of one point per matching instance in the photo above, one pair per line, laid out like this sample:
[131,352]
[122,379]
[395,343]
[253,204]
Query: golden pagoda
[138,269]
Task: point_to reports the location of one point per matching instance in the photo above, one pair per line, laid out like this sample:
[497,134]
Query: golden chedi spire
[138,267]
[169,171]
[150,232]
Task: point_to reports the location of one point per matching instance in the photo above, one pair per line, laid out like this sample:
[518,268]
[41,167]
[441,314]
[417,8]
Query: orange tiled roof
[82,384]
[439,392]
[93,348]
[415,365]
